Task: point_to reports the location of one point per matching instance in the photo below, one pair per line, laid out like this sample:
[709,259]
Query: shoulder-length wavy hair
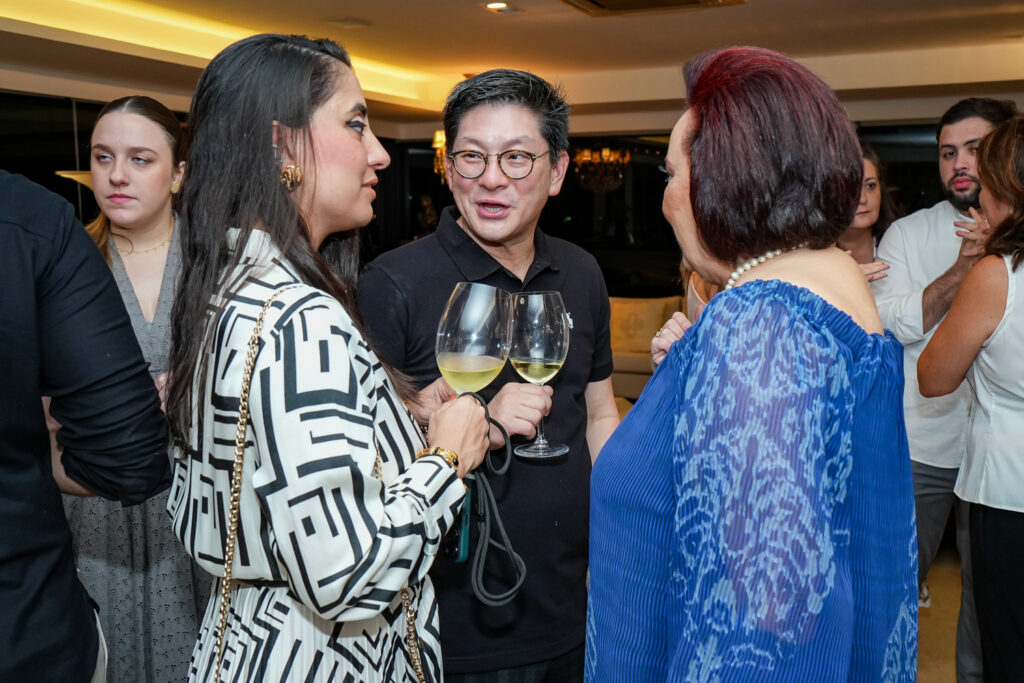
[232,179]
[1001,169]
[774,160]
[147,107]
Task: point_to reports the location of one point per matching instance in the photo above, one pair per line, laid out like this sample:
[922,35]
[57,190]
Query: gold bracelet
[449,456]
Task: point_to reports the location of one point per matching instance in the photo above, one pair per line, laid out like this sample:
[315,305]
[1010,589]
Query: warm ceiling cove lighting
[195,40]
[147,12]
[497,5]
[126,21]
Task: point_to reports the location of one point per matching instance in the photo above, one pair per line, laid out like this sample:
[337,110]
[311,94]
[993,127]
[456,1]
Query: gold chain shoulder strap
[236,471]
[412,640]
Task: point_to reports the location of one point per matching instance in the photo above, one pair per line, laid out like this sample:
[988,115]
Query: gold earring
[291,176]
[175,187]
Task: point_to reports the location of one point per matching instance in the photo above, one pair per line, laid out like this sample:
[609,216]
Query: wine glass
[473,336]
[540,342]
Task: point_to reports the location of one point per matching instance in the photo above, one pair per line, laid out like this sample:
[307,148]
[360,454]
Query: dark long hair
[887,209]
[147,107]
[232,179]
[1001,169]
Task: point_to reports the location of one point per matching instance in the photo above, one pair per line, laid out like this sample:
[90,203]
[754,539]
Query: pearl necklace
[132,252]
[756,261]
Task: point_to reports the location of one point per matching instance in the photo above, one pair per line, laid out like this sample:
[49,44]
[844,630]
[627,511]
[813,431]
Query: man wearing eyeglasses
[507,141]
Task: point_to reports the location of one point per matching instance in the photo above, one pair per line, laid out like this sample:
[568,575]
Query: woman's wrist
[449,456]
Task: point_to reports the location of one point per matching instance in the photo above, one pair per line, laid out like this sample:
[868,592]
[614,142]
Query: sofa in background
[633,323]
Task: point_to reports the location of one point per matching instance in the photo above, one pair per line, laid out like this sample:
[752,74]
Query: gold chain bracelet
[450,457]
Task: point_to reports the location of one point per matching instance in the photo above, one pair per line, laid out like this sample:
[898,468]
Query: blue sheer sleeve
[760,560]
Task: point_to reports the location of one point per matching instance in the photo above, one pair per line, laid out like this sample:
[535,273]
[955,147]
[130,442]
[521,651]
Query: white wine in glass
[473,336]
[540,343]
[468,373]
[537,371]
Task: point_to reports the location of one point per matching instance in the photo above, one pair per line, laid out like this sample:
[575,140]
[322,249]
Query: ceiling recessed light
[500,8]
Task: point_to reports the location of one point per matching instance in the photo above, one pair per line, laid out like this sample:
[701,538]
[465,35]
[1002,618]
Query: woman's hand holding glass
[460,425]
[473,339]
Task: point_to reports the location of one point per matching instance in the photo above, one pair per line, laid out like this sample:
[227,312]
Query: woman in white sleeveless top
[981,339]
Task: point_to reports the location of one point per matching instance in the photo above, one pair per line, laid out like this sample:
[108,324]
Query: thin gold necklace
[132,252]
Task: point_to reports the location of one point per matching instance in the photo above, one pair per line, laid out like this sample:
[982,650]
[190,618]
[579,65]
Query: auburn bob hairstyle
[774,160]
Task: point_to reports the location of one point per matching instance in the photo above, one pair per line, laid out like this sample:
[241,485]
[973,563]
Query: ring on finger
[658,333]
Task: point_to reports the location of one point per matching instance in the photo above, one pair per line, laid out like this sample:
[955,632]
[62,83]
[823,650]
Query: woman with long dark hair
[875,213]
[150,594]
[761,483]
[980,340]
[340,508]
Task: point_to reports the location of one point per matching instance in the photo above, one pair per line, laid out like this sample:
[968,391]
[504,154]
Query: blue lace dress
[752,518]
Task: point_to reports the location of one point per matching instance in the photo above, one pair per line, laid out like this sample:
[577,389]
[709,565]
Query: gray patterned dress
[150,594]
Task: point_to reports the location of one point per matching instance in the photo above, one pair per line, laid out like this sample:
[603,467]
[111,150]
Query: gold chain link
[236,472]
[412,640]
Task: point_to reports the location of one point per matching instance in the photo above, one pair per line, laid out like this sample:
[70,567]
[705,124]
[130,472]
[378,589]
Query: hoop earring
[291,176]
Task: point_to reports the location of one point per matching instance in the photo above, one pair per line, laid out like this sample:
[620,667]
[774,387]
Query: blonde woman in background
[150,594]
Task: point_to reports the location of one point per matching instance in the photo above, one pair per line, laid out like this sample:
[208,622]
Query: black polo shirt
[544,506]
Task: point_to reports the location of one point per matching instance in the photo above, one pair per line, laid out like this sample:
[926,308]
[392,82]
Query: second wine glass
[473,336]
[540,343]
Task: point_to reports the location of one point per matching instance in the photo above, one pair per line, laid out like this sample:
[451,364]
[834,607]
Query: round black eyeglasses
[516,164]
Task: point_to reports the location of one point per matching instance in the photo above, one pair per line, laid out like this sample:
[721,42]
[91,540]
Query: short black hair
[993,111]
[507,86]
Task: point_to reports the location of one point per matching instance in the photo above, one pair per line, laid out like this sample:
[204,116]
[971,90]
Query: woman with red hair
[762,481]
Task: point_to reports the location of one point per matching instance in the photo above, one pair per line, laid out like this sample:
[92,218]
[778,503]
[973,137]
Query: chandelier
[601,170]
[438,145]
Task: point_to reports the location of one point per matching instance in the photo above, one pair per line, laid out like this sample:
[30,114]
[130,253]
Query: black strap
[488,520]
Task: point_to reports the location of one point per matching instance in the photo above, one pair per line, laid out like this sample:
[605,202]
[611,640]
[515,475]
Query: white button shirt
[920,248]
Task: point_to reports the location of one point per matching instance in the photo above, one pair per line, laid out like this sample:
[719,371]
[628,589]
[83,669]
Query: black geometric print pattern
[323,547]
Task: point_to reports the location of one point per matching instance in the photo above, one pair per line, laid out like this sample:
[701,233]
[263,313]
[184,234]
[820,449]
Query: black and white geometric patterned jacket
[323,547]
